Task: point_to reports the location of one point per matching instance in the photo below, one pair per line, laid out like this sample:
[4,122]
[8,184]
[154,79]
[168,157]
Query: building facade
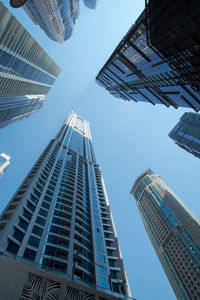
[26,71]
[16,108]
[173,29]
[174,233]
[60,217]
[186,133]
[4,162]
[136,72]
[56,18]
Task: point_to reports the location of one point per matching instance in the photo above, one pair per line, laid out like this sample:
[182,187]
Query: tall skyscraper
[60,217]
[174,232]
[173,29]
[186,133]
[137,72]
[27,72]
[16,108]
[56,18]
[4,162]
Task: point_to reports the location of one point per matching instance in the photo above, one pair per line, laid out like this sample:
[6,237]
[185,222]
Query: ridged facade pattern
[136,72]
[174,232]
[60,216]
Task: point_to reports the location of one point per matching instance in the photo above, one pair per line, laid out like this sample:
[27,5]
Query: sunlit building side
[174,232]
[27,73]
[186,133]
[136,72]
[56,18]
[60,218]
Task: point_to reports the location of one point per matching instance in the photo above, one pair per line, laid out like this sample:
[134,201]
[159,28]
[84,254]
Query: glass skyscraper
[186,133]
[137,72]
[60,218]
[173,29]
[174,232]
[56,18]
[26,71]
[4,162]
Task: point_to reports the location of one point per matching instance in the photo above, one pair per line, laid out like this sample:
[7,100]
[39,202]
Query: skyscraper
[174,233]
[186,133]
[56,18]
[173,29]
[16,108]
[4,162]
[60,218]
[137,72]
[27,72]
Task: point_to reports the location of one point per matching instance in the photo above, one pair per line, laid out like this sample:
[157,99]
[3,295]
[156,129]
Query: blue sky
[128,138]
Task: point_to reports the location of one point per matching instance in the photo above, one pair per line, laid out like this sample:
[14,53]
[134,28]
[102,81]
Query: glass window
[12,247]
[103,282]
[18,235]
[45,205]
[33,241]
[101,258]
[29,254]
[37,230]
[40,221]
[23,224]
[43,212]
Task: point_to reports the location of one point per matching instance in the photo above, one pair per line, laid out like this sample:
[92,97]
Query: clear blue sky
[128,138]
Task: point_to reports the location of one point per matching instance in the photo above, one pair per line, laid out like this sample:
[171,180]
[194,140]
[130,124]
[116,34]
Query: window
[18,235]
[12,247]
[103,282]
[43,212]
[23,224]
[40,221]
[101,258]
[102,270]
[115,287]
[113,274]
[29,254]
[45,205]
[37,230]
[33,241]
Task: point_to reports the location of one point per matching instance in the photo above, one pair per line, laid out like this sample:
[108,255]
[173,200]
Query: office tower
[60,217]
[4,162]
[174,233]
[186,133]
[173,29]
[56,18]
[16,108]
[136,72]
[27,72]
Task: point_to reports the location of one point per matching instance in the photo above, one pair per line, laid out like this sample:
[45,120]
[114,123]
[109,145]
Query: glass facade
[56,18]
[62,215]
[135,72]
[174,232]
[26,71]
[186,133]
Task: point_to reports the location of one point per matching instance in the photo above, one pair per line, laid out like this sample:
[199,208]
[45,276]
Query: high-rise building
[16,108]
[137,72]
[27,72]
[186,133]
[174,233]
[173,29]
[56,18]
[60,218]
[4,162]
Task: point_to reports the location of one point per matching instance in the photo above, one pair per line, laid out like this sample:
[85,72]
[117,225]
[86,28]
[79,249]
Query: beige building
[174,232]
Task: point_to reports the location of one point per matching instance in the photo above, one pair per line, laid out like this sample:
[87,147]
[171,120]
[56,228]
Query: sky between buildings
[128,138]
